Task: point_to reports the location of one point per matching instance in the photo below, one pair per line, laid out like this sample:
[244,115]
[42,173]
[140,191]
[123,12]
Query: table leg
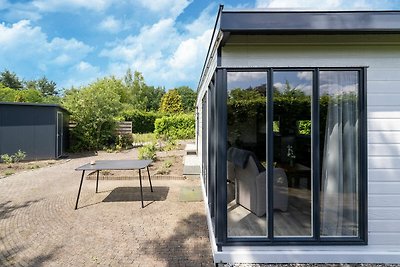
[79,191]
[141,189]
[148,173]
[97,182]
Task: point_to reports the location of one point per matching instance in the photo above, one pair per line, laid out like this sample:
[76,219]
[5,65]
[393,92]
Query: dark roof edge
[221,7]
[34,104]
[307,11]
[310,21]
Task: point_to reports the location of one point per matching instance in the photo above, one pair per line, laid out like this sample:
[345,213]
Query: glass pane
[339,153]
[292,178]
[246,155]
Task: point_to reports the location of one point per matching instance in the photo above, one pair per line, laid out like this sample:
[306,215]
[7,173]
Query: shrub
[123,141]
[18,156]
[171,102]
[7,159]
[148,152]
[170,145]
[142,121]
[180,126]
[94,109]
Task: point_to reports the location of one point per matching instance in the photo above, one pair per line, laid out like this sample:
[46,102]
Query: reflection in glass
[246,155]
[339,153]
[292,153]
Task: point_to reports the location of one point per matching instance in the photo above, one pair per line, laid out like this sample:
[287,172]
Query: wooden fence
[123,127]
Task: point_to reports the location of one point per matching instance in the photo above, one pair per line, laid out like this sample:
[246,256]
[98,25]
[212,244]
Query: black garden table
[100,165]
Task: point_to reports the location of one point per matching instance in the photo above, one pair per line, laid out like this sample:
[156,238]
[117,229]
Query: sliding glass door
[296,155]
[292,179]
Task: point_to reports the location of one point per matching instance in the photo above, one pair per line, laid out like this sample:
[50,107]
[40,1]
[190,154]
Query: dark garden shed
[40,130]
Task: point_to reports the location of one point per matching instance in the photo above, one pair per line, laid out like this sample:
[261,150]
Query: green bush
[171,102]
[93,109]
[123,141]
[181,126]
[7,159]
[18,156]
[142,121]
[148,151]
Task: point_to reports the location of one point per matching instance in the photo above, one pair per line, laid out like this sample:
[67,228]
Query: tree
[29,96]
[171,102]
[188,98]
[154,95]
[94,109]
[136,87]
[46,87]
[7,94]
[11,80]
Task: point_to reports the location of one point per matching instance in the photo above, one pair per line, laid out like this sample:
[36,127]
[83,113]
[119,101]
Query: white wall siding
[382,57]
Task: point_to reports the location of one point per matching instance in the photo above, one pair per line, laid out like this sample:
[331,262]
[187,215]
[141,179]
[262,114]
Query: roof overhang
[268,22]
[309,22]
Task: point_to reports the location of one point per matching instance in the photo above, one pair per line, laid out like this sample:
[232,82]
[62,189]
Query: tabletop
[115,165]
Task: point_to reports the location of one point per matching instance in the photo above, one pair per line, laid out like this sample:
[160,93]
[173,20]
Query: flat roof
[231,22]
[299,22]
[33,104]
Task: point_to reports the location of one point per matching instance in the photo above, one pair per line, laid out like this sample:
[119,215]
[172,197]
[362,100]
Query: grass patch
[8,173]
[144,138]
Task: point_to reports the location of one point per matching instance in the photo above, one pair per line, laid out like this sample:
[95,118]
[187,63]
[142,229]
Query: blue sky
[74,42]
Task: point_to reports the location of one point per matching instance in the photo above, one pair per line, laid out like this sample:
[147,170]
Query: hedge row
[180,126]
[142,122]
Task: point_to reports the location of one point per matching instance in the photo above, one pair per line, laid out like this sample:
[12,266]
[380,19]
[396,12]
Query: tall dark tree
[10,80]
[46,87]
[154,95]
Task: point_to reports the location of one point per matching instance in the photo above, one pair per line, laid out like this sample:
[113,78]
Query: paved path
[39,226]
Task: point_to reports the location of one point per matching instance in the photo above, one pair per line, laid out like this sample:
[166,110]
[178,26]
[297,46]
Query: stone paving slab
[39,226]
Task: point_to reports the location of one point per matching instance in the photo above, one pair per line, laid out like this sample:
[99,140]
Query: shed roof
[34,104]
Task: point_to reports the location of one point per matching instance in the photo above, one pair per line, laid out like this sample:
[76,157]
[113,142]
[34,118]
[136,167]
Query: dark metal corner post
[315,135]
[363,85]
[270,155]
[221,147]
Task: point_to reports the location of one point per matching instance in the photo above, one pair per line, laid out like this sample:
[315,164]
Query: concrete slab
[191,165]
[190,149]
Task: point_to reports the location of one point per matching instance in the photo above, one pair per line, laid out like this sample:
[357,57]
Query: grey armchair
[249,177]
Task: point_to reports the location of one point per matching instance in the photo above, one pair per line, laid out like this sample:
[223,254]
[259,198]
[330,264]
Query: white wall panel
[384,175]
[384,149]
[384,125]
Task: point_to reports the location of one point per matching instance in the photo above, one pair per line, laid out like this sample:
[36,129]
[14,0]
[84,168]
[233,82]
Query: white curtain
[339,196]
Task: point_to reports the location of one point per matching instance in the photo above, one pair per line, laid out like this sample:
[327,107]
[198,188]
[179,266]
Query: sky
[75,42]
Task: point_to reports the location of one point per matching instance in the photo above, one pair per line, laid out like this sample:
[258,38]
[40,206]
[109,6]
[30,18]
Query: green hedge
[142,121]
[180,126]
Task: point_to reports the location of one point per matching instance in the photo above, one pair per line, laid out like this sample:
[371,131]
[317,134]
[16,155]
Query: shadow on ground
[177,250]
[15,255]
[124,194]
[7,208]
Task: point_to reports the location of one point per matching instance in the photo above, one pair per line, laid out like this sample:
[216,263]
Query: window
[296,155]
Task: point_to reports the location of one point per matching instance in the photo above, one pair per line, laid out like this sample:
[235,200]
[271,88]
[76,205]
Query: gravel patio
[39,226]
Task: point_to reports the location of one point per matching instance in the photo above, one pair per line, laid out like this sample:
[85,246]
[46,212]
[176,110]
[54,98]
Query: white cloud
[26,49]
[165,55]
[57,5]
[314,4]
[203,23]
[166,8]
[110,24]
[80,74]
